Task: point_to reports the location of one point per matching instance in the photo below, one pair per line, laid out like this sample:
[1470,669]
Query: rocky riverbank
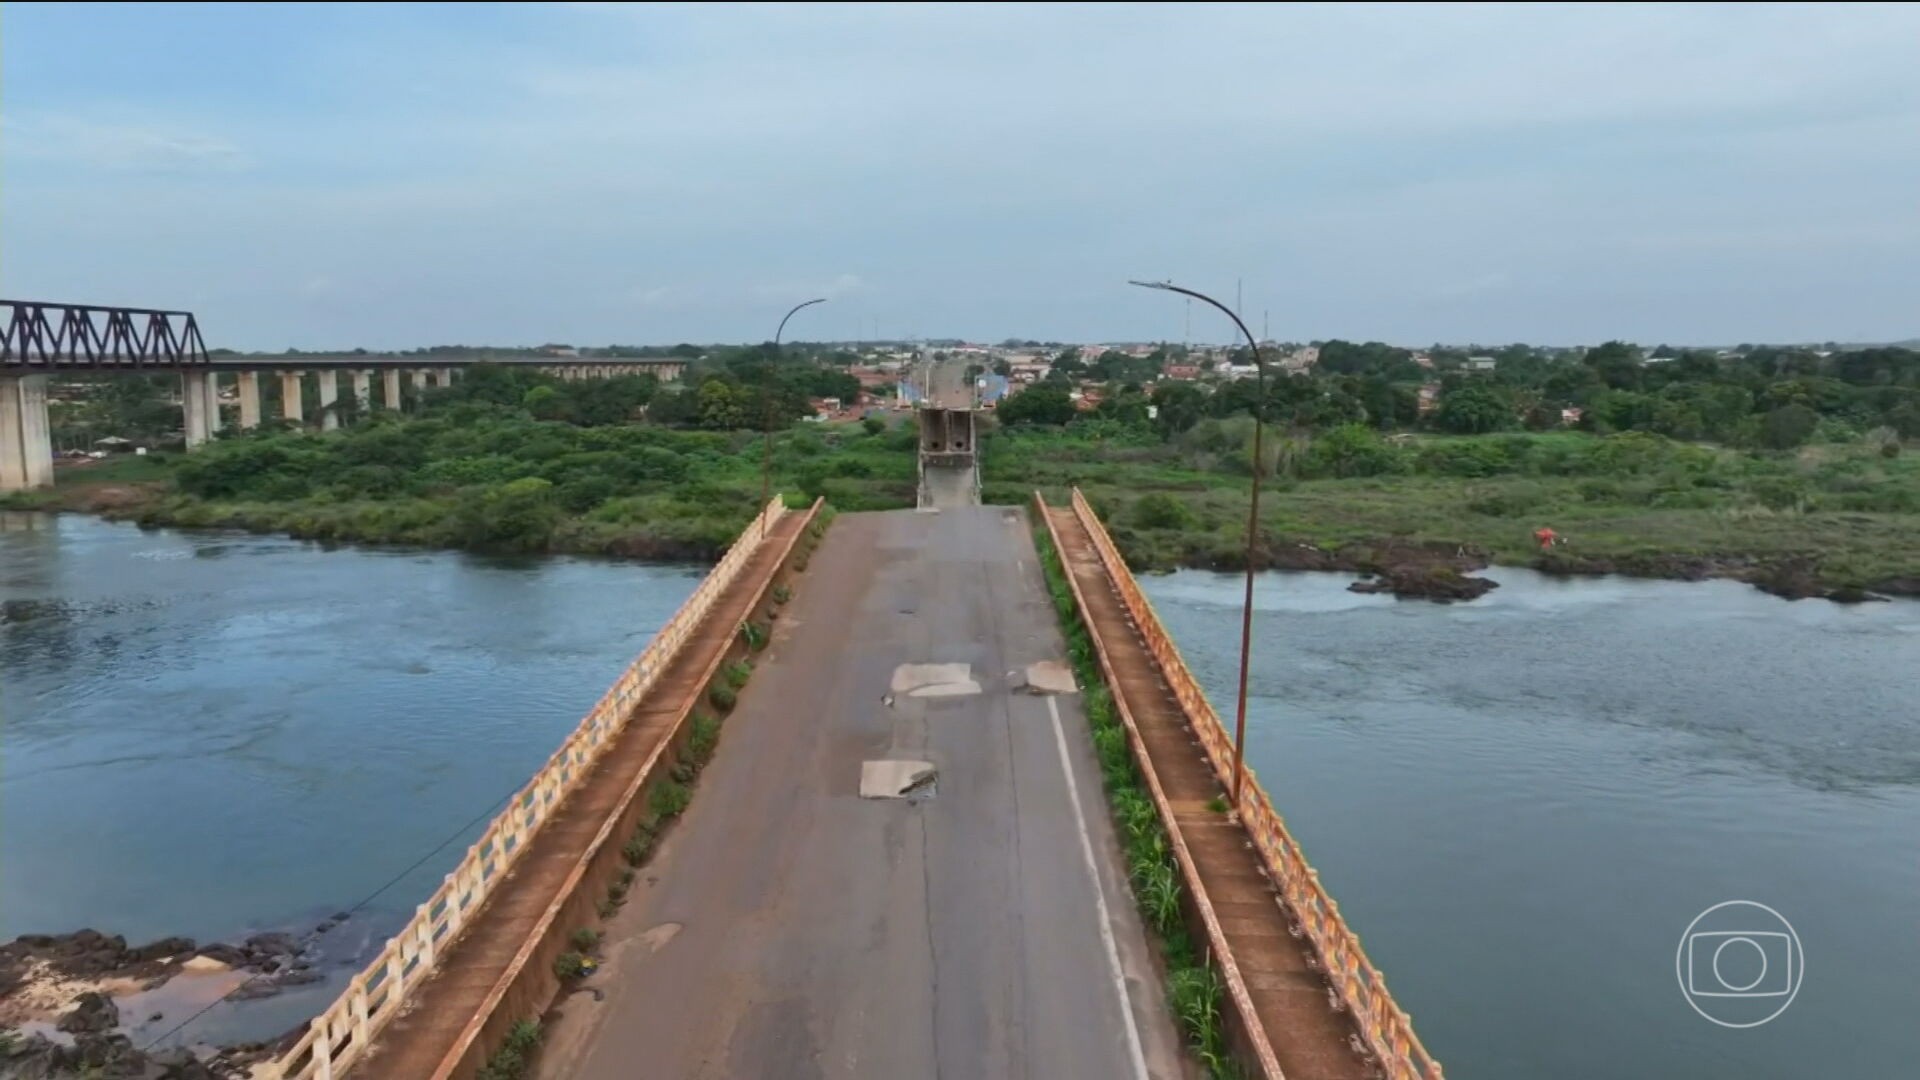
[67,1000]
[1445,573]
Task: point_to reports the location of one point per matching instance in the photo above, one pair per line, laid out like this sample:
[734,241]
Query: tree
[1178,406]
[720,408]
[1473,407]
[1038,404]
[1787,427]
[1617,363]
[518,515]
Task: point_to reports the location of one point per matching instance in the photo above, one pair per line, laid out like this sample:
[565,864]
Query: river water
[1522,803]
[213,733]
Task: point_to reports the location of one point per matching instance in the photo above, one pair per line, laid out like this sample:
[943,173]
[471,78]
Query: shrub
[704,737]
[569,966]
[637,848]
[873,425]
[722,696]
[737,673]
[1162,511]
[585,939]
[669,799]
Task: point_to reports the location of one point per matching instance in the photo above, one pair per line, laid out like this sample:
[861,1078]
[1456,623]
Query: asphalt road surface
[790,928]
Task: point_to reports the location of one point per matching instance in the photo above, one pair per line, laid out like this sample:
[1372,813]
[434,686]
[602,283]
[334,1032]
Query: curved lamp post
[1253,524]
[766,442]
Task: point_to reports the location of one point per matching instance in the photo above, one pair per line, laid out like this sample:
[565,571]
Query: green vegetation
[586,939]
[1193,991]
[737,673]
[669,799]
[722,696]
[703,738]
[569,966]
[512,460]
[1637,502]
[512,1060]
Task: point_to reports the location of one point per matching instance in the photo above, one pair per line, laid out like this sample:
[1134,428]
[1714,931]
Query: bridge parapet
[342,1033]
[1362,989]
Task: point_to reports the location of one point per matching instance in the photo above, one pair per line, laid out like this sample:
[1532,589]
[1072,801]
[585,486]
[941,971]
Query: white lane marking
[1099,898]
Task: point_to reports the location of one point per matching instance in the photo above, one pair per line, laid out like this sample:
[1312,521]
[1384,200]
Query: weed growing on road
[704,737]
[755,634]
[1193,990]
[569,966]
[670,798]
[737,673]
[722,696]
[782,594]
[585,939]
[511,1060]
[639,845]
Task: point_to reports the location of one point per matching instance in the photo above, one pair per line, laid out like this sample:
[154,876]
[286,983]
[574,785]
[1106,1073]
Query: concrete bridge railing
[341,1034]
[1362,988]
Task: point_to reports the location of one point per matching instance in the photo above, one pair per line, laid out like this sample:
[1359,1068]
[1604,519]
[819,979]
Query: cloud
[119,146]
[676,173]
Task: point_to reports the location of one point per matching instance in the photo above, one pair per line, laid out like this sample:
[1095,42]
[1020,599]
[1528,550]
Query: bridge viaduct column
[247,383]
[213,402]
[363,390]
[26,438]
[290,403]
[193,406]
[443,377]
[418,377]
[329,397]
[390,385]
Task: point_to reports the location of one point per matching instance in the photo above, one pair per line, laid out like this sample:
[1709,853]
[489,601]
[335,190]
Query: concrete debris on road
[934,680]
[1046,677]
[895,779]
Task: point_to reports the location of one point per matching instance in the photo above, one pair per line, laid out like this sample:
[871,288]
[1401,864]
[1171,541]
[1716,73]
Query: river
[1522,803]
[213,733]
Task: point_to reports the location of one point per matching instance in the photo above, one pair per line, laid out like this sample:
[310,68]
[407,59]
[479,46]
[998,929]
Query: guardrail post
[360,1035]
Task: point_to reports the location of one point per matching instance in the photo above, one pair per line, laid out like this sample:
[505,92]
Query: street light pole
[1253,523]
[766,440]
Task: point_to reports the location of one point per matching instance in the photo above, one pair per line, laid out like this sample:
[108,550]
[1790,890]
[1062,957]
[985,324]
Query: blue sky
[394,175]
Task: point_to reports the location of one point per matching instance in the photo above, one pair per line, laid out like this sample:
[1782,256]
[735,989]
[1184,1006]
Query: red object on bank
[1546,537]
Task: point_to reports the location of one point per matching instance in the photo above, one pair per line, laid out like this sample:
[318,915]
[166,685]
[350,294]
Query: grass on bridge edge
[1193,990]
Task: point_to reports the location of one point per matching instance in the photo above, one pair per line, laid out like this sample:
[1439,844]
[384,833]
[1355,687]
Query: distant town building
[1481,363]
[1429,398]
[1571,415]
[1423,360]
[1182,372]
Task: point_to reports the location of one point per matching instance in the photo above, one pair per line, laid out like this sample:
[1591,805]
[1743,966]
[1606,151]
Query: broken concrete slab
[1046,677]
[934,680]
[895,779]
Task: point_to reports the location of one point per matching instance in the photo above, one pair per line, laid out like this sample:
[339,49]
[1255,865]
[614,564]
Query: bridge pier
[291,407]
[213,403]
[247,386]
[329,398]
[26,438]
[443,377]
[193,404]
[417,378]
[390,386]
[363,390]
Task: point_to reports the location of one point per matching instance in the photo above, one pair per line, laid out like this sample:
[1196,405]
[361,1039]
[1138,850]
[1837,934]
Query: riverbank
[1418,514]
[85,1004]
[1828,521]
